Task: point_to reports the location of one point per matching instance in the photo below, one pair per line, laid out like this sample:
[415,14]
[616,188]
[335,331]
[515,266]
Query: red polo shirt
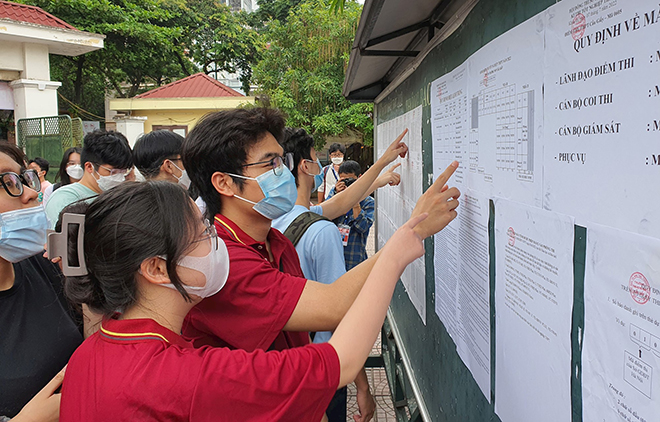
[138,370]
[258,299]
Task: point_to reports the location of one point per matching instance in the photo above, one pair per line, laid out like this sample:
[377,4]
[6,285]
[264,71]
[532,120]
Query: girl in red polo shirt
[149,259]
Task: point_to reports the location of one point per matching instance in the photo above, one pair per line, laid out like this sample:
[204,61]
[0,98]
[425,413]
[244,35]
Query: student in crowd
[38,331]
[159,260]
[157,155]
[320,251]
[235,161]
[41,166]
[331,171]
[69,172]
[106,159]
[353,226]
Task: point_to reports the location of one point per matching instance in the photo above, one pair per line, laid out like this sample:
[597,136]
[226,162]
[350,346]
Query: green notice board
[448,390]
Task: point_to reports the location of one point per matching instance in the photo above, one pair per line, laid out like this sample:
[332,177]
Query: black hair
[14,153]
[350,167]
[61,173]
[152,148]
[111,148]
[300,144]
[220,142]
[337,147]
[124,226]
[43,164]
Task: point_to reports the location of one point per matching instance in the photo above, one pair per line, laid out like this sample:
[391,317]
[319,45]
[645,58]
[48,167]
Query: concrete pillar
[34,98]
[131,127]
[36,63]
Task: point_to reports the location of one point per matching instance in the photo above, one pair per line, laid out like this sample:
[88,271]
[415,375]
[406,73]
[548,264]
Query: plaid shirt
[356,250]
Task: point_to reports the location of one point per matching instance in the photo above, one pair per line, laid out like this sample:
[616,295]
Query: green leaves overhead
[302,70]
[298,50]
[150,43]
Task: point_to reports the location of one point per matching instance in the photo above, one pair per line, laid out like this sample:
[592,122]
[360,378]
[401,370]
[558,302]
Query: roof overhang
[204,103]
[61,41]
[393,37]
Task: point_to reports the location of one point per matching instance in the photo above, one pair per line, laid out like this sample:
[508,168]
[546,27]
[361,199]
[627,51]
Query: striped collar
[137,331]
[232,230]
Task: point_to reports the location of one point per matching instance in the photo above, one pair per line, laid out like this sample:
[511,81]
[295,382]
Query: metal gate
[49,137]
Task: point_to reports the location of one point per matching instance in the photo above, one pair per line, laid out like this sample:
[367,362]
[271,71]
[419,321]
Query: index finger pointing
[444,177]
[394,167]
[400,137]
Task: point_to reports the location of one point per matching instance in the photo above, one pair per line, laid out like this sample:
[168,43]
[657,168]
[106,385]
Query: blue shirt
[64,196]
[355,250]
[320,251]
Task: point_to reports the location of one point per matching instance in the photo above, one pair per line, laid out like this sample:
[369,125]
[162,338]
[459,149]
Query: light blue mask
[318,178]
[22,233]
[280,193]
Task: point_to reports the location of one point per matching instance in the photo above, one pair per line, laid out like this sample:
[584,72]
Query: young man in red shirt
[235,161]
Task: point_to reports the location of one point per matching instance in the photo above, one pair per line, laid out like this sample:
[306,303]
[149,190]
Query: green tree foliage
[224,41]
[270,10]
[303,66]
[337,5]
[148,43]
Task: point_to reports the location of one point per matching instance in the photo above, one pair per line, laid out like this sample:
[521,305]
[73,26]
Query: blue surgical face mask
[22,233]
[280,193]
[318,178]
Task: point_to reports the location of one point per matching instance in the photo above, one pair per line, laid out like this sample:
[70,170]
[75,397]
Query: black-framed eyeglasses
[13,183]
[277,163]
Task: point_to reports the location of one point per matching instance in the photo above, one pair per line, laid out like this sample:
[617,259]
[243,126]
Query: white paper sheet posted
[533,308]
[449,116]
[602,91]
[395,204]
[505,87]
[621,354]
[473,309]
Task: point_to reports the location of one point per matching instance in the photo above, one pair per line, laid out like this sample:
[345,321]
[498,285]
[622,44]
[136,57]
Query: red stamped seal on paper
[639,287]
[512,236]
[579,24]
[486,78]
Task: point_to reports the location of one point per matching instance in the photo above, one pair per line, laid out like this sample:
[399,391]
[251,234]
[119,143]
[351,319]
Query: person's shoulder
[38,269]
[283,222]
[322,230]
[72,190]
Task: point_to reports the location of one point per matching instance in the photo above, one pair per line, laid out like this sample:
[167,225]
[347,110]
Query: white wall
[131,127]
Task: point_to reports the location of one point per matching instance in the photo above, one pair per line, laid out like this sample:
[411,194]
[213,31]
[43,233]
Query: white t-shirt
[330,180]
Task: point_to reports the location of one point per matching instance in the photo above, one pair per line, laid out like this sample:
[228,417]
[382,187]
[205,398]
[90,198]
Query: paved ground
[377,378]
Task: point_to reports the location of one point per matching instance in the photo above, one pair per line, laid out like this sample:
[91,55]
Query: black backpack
[299,226]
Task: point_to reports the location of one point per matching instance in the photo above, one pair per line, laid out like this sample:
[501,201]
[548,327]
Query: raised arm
[321,307]
[364,185]
[357,331]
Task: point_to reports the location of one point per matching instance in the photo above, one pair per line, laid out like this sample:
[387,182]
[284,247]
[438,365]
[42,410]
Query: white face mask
[182,180]
[108,182]
[214,266]
[337,160]
[75,171]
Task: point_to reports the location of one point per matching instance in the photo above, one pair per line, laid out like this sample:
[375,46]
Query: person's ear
[89,167]
[154,270]
[166,167]
[302,166]
[224,184]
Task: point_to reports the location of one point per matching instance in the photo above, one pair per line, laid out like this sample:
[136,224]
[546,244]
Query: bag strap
[300,224]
